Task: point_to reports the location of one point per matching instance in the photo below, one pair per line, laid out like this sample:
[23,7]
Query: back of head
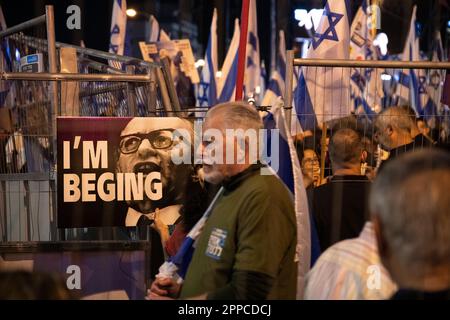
[410,201]
[398,118]
[345,148]
[236,115]
[21,285]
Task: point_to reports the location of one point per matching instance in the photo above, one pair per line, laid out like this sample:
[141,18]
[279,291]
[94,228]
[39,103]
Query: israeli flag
[176,267]
[207,89]
[411,86]
[289,171]
[118,28]
[226,83]
[366,87]
[435,80]
[276,86]
[323,94]
[252,76]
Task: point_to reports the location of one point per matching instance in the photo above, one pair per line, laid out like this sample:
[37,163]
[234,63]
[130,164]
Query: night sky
[96,19]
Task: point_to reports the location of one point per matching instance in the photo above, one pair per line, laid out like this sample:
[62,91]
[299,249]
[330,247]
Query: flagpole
[242,50]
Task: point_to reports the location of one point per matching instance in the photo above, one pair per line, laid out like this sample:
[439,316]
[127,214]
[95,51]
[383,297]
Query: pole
[242,50]
[323,152]
[289,86]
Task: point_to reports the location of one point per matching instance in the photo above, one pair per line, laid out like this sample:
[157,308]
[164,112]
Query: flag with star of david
[323,94]
[366,87]
[412,83]
[207,89]
[435,80]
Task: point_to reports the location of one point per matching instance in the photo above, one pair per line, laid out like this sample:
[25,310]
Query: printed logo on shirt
[216,243]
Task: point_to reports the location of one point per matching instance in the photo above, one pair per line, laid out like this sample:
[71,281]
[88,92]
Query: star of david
[203,92]
[422,84]
[330,33]
[359,80]
[435,79]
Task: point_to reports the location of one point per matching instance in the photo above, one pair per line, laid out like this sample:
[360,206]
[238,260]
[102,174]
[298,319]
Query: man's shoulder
[268,184]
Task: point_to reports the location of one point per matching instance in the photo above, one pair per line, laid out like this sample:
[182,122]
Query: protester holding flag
[247,247]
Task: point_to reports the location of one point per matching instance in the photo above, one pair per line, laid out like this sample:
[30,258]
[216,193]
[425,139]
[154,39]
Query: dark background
[192,18]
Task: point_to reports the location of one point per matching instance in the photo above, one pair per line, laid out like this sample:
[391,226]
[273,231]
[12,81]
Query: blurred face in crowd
[423,127]
[311,165]
[145,146]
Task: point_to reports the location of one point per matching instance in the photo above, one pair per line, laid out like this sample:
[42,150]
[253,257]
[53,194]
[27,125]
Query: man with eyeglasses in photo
[145,146]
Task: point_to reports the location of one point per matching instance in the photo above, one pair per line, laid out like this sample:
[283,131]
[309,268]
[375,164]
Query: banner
[112,171]
[179,52]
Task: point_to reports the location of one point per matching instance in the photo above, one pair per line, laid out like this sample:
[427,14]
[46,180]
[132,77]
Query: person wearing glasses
[145,146]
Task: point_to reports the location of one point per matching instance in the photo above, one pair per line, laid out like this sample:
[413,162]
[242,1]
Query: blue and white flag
[176,267]
[276,86]
[411,86]
[289,171]
[323,94]
[435,80]
[207,89]
[226,84]
[366,88]
[252,76]
[118,30]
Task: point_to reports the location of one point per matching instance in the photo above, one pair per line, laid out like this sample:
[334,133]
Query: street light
[131,13]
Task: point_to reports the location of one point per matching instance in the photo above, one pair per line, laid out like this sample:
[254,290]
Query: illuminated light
[17,55]
[258,90]
[219,74]
[131,13]
[381,41]
[199,63]
[386,77]
[308,19]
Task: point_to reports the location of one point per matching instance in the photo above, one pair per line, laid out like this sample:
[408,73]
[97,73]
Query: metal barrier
[360,104]
[75,81]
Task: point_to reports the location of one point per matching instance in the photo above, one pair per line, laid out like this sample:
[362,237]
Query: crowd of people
[367,226]
[378,203]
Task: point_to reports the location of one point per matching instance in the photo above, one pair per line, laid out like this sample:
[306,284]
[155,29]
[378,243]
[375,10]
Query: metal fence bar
[36,42]
[74,77]
[131,96]
[53,68]
[289,86]
[22,26]
[371,64]
[34,176]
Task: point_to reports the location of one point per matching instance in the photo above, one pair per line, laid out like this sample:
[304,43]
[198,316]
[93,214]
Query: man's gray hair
[411,199]
[397,117]
[237,115]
